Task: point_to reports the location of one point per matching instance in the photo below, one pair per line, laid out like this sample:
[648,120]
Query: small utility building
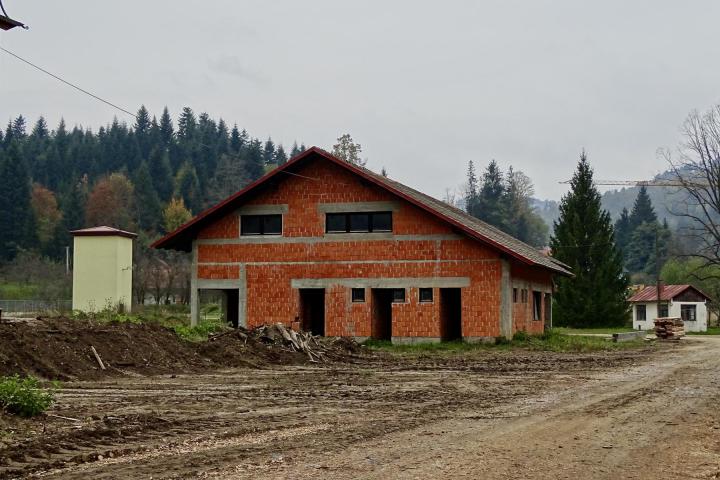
[331,247]
[102,269]
[680,301]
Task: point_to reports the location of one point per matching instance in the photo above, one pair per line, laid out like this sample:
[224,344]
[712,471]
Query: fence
[34,306]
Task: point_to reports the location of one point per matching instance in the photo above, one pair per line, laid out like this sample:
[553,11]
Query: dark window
[426,294]
[399,295]
[663,310]
[358,222]
[515,295]
[688,313]
[272,224]
[548,307]
[336,222]
[523,295]
[261,224]
[251,225]
[358,294]
[381,222]
[537,305]
[640,315]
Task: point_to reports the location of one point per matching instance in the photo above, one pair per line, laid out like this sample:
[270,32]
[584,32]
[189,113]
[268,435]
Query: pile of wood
[671,328]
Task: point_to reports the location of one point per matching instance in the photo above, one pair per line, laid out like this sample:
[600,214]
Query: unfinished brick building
[324,245]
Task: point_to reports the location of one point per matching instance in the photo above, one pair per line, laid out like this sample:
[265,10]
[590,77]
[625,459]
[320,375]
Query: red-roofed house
[327,246]
[682,301]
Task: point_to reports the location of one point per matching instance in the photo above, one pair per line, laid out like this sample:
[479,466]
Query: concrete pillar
[242,298]
[194,292]
[506,321]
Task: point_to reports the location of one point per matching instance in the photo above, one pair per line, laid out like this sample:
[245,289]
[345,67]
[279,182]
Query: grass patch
[25,396]
[552,340]
[605,331]
[177,319]
[710,331]
[18,291]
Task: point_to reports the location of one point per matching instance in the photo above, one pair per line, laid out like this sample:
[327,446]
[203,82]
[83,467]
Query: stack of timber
[669,328]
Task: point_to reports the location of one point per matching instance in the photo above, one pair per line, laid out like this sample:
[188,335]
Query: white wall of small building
[698,325]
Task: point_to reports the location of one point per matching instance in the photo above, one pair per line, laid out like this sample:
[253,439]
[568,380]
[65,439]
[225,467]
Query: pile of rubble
[278,338]
[671,328]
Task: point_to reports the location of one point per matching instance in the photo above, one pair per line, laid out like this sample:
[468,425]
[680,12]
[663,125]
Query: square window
[272,224]
[382,222]
[359,222]
[251,225]
[358,295]
[399,295]
[336,223]
[426,294]
[688,313]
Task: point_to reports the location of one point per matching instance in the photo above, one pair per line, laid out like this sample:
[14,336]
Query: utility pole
[67,260]
[657,270]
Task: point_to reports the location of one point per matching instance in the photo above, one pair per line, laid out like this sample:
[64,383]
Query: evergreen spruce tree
[489,202]
[254,164]
[161,173]
[187,187]
[167,131]
[16,220]
[584,239]
[295,150]
[147,203]
[471,190]
[642,210]
[269,152]
[236,140]
[623,231]
[280,156]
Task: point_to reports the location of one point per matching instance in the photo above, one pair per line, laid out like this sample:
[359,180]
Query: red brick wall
[270,297]
[529,279]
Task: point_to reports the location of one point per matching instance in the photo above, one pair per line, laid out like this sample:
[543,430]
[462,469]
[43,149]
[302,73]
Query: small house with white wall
[681,301]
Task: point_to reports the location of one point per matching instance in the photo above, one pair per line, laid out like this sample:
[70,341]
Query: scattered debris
[97,357]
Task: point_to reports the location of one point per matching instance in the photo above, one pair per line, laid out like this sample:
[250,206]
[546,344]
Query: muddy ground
[648,413]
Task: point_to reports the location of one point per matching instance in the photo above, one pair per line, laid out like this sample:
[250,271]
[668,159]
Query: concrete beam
[506,320]
[488,340]
[194,293]
[414,340]
[424,282]
[263,209]
[217,284]
[328,238]
[358,207]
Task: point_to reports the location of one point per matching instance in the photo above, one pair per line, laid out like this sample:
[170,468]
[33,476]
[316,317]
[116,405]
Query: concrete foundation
[488,340]
[414,340]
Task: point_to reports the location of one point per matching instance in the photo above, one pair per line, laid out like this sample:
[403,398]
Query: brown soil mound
[60,348]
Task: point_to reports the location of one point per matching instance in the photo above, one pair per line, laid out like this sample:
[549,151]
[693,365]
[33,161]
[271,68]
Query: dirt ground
[649,413]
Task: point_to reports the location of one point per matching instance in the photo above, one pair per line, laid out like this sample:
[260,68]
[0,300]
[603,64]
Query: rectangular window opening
[358,222]
[688,313]
[515,295]
[663,313]
[537,305]
[358,295]
[640,313]
[261,224]
[398,295]
[426,295]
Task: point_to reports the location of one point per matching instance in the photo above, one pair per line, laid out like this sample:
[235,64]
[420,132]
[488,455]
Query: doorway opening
[231,303]
[450,314]
[381,326]
[312,309]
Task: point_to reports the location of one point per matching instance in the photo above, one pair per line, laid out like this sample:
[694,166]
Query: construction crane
[647,183]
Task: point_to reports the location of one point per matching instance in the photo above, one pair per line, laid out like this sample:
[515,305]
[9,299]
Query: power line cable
[80,89]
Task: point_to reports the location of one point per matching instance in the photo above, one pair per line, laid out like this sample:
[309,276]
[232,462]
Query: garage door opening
[381,326]
[450,314]
[312,308]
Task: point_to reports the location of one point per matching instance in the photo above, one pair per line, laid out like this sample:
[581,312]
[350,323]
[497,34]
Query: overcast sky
[423,86]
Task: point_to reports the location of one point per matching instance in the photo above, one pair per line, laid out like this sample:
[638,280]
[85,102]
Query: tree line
[149,176]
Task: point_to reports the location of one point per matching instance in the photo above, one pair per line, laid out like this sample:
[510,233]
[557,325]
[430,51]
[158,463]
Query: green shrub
[520,336]
[25,396]
[200,331]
